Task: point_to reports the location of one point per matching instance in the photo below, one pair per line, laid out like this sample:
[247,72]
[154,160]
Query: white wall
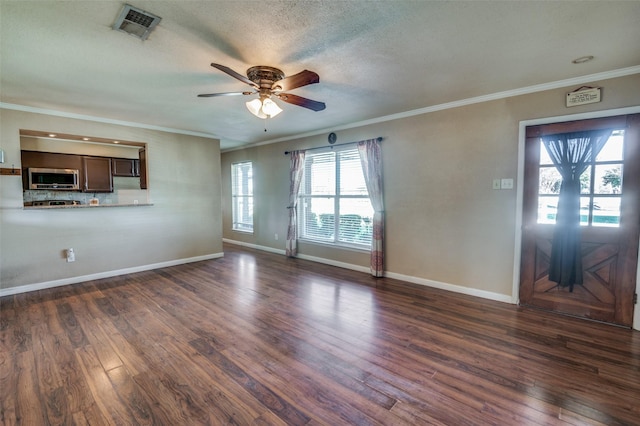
[184,222]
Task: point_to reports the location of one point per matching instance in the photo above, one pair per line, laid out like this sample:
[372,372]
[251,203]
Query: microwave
[53,179]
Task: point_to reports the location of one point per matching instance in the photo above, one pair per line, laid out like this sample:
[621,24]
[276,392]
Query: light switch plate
[506,184]
[496,184]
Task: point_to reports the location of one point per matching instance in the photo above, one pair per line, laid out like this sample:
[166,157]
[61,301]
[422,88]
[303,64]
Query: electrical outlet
[71,255]
[506,184]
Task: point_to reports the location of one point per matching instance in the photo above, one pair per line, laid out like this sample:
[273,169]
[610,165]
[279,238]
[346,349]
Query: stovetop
[45,203]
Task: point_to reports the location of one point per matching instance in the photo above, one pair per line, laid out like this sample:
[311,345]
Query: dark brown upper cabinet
[97,174]
[125,167]
[144,184]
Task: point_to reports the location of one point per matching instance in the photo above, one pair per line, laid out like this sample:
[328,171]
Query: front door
[609,218]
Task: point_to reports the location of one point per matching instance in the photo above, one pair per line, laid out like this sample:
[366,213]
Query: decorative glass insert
[600,186]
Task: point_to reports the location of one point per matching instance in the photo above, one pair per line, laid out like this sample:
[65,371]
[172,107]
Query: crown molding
[36,110]
[622,72]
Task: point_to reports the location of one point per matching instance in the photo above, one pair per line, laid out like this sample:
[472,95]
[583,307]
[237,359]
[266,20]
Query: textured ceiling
[374,58]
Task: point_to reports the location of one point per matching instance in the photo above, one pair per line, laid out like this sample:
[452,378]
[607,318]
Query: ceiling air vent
[136,22]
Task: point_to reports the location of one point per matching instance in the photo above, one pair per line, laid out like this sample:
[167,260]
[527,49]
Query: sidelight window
[242,196]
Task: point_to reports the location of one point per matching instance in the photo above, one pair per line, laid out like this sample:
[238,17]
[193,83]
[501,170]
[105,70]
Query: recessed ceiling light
[85,139]
[52,135]
[582,59]
[116,141]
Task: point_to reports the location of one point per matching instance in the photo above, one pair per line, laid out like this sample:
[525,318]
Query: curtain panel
[296,163]
[571,153]
[371,160]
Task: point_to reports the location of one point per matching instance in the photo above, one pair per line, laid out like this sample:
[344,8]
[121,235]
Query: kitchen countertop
[85,206]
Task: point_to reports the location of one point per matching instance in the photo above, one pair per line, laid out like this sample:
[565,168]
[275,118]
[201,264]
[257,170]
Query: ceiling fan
[267,82]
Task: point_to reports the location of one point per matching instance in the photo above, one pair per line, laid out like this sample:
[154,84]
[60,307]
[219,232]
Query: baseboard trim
[498,297]
[107,274]
[254,246]
[414,280]
[300,256]
[335,263]
[411,279]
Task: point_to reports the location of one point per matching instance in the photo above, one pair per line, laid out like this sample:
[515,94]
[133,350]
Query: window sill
[242,231]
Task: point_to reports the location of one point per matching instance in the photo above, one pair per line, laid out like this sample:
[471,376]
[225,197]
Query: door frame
[515,291]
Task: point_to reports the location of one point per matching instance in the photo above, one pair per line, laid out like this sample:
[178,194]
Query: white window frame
[336,196]
[242,200]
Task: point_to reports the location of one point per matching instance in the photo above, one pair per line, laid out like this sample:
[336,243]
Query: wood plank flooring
[259,339]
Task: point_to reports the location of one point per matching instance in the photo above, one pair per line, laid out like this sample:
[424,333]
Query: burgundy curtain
[295,177]
[571,153]
[371,160]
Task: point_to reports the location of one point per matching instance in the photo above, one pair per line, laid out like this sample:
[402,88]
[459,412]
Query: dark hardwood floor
[257,338]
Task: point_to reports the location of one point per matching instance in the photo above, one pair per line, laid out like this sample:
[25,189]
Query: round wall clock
[332,138]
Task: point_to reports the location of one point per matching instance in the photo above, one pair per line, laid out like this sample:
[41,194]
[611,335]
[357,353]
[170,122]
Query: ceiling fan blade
[211,95]
[234,74]
[297,80]
[300,101]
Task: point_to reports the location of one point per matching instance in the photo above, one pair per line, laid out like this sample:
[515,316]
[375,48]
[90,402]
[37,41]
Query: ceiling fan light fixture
[263,108]
[270,108]
[255,108]
[270,82]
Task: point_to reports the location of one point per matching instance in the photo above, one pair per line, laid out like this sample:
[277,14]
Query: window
[600,186]
[333,187]
[242,196]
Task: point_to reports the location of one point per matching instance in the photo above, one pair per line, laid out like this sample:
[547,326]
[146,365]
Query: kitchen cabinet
[126,167]
[143,168]
[49,160]
[97,174]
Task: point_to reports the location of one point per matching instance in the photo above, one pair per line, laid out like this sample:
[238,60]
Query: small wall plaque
[583,95]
